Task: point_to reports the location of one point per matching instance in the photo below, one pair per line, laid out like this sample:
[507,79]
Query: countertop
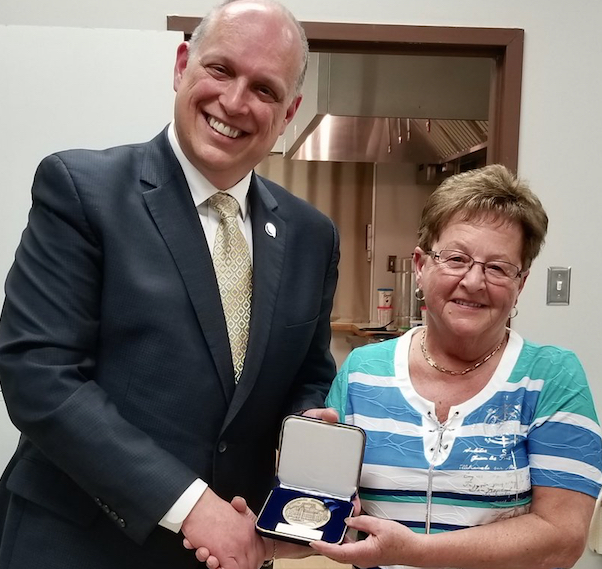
[358,329]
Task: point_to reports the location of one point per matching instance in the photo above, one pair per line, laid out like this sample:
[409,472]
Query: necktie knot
[224,204]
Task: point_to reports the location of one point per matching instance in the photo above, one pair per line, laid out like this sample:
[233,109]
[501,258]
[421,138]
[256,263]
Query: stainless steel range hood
[390,108]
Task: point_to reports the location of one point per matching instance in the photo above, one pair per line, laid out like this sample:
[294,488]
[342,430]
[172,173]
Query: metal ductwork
[391,108]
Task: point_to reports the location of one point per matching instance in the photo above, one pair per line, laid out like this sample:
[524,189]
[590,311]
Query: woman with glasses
[483,448]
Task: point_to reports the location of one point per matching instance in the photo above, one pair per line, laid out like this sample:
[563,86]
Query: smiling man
[234,98]
[150,345]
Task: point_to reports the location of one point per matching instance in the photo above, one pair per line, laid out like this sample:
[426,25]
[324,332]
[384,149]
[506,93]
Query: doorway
[357,207]
[503,45]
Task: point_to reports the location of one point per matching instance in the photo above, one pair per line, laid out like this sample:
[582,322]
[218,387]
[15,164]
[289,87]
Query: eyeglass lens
[460,262]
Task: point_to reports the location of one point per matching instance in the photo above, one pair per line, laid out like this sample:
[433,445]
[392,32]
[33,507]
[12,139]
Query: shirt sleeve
[176,515]
[565,449]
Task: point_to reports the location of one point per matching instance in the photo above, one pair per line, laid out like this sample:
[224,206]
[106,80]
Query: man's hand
[283,549]
[217,529]
[329,415]
[204,556]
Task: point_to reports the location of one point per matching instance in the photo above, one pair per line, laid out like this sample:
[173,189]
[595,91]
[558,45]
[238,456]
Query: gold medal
[308,512]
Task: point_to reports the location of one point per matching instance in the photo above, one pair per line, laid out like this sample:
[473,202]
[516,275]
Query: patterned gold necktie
[232,263]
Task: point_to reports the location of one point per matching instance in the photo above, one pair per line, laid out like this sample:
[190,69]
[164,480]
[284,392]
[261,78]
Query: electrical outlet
[391,263]
[559,284]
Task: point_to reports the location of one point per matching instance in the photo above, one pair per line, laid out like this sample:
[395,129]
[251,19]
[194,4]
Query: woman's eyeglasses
[458,264]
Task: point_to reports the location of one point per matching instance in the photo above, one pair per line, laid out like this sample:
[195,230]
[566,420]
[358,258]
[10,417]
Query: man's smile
[222,128]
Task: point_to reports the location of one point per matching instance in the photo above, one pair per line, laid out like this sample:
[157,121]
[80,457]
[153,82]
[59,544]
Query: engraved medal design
[308,512]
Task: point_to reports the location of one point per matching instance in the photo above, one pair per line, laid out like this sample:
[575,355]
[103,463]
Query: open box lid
[319,457]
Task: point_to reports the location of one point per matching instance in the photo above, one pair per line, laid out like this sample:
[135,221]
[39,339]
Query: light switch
[391,263]
[559,284]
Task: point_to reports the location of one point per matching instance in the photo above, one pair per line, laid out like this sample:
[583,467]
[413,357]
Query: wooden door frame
[503,45]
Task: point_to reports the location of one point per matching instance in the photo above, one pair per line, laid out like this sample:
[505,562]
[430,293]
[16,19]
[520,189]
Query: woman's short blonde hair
[492,191]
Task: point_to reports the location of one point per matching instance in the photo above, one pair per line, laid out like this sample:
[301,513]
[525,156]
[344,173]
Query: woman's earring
[419,294]
[511,316]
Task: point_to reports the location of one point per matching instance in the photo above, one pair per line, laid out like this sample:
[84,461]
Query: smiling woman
[463,416]
[468,304]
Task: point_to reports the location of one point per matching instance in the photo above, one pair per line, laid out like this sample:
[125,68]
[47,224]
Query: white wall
[559,139]
[69,87]
[66,87]
[8,436]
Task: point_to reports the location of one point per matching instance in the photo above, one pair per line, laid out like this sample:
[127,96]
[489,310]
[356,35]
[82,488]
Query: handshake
[224,534]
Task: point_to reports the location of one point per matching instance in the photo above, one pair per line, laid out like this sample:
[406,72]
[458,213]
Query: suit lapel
[269,245]
[172,208]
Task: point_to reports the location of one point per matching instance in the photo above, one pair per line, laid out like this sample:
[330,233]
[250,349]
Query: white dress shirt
[201,190]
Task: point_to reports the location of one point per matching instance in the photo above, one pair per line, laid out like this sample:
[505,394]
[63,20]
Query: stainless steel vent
[384,108]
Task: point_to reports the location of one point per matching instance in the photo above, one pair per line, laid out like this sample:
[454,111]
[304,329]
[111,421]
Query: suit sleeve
[318,370]
[49,333]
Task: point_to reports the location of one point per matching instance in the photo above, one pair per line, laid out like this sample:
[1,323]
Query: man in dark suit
[116,361]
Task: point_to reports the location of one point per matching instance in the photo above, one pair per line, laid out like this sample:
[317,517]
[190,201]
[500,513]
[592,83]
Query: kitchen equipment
[403,303]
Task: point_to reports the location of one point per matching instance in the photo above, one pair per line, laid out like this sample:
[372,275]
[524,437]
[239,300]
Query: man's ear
[291,112]
[180,65]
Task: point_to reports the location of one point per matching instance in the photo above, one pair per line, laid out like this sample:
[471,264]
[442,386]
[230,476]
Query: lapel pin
[270,229]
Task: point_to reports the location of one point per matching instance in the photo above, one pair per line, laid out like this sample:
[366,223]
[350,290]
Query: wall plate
[559,285]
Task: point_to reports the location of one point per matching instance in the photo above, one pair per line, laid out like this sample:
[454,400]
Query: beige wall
[397,209]
[343,191]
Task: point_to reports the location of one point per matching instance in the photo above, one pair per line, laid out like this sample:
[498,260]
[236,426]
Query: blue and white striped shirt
[534,423]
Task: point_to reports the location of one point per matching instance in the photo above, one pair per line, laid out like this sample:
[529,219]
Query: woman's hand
[386,543]
[552,534]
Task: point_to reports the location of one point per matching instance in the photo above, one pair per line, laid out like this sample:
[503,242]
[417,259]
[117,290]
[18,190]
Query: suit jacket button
[121,522]
[114,516]
[98,501]
[223,445]
[106,509]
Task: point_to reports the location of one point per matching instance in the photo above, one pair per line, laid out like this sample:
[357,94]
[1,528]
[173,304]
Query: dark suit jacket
[115,362]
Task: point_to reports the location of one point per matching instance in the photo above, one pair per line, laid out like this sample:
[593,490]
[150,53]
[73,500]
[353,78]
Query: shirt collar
[200,188]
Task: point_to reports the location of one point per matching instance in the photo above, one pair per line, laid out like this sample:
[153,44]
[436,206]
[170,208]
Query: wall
[68,87]
[398,203]
[559,126]
[343,191]
[8,436]
[559,141]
